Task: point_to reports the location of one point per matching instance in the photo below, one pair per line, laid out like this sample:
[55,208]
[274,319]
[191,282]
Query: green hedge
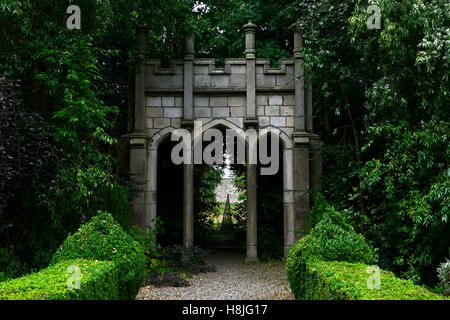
[98,281]
[330,263]
[104,239]
[334,280]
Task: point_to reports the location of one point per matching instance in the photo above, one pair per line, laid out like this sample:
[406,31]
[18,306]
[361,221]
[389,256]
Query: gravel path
[233,280]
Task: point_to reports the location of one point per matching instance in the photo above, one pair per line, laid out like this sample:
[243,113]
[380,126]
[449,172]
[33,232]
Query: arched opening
[169,195]
[270,204]
[218,224]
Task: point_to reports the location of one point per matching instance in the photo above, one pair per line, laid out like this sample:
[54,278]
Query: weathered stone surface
[149,123]
[153,102]
[278,121]
[175,122]
[288,100]
[237,80]
[201,80]
[218,101]
[220,112]
[168,101]
[201,101]
[238,69]
[203,112]
[219,81]
[265,80]
[287,110]
[261,100]
[236,101]
[178,101]
[260,110]
[264,121]
[237,121]
[275,100]
[173,112]
[201,69]
[237,111]
[154,112]
[289,121]
[272,111]
[161,122]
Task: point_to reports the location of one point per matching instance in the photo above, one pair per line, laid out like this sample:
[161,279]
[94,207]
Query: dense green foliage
[98,281]
[103,239]
[380,97]
[331,263]
[337,280]
[384,97]
[332,239]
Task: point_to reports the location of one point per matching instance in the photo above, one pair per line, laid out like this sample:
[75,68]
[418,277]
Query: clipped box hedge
[339,280]
[330,263]
[98,281]
[102,238]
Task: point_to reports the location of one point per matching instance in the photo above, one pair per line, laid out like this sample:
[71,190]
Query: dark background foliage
[380,105]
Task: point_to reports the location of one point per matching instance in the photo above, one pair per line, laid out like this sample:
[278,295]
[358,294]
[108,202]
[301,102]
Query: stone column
[188,203]
[188,73]
[299,109]
[151,196]
[252,231]
[301,140]
[288,200]
[301,185]
[250,58]
[138,140]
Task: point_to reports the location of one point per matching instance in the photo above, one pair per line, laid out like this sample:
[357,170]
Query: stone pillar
[137,179]
[250,59]
[301,184]
[188,73]
[188,204]
[138,140]
[151,196]
[252,231]
[299,109]
[288,200]
[301,141]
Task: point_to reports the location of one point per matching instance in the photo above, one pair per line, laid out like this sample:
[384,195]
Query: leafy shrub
[335,280]
[332,238]
[444,276]
[103,239]
[98,281]
[330,263]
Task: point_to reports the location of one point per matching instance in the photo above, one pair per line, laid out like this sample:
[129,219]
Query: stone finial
[250,27]
[250,30]
[298,39]
[189,47]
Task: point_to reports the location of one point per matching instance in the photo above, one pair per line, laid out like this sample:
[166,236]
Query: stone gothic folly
[246,93]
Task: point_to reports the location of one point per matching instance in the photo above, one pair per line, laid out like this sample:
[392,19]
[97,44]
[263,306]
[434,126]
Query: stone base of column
[252,255]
